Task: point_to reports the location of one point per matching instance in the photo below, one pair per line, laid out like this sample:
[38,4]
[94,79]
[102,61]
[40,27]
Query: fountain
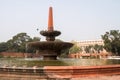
[50,48]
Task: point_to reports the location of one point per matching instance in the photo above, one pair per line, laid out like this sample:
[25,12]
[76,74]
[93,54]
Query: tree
[3,47]
[30,49]
[36,39]
[88,49]
[98,48]
[75,49]
[112,41]
[58,40]
[18,42]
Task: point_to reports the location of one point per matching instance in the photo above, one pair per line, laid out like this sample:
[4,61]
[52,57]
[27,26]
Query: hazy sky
[76,19]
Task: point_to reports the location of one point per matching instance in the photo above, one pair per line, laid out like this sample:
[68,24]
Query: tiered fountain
[50,49]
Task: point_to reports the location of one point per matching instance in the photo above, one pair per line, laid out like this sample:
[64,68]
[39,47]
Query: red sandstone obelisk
[50,20]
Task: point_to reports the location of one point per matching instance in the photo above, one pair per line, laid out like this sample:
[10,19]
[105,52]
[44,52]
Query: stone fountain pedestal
[48,55]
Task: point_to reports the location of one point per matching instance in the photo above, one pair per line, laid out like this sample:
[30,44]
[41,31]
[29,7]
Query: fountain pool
[30,62]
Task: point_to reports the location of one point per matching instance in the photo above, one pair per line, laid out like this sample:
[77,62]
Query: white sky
[76,19]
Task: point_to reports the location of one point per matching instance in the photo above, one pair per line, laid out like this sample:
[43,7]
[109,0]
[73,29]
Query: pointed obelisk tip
[50,20]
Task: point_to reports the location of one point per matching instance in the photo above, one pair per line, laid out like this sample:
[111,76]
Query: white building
[84,44]
[89,42]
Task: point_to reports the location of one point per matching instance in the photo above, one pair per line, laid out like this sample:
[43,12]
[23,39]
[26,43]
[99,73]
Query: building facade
[87,43]
[92,52]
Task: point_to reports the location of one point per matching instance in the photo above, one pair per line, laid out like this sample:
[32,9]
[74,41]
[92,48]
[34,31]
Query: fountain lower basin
[61,68]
